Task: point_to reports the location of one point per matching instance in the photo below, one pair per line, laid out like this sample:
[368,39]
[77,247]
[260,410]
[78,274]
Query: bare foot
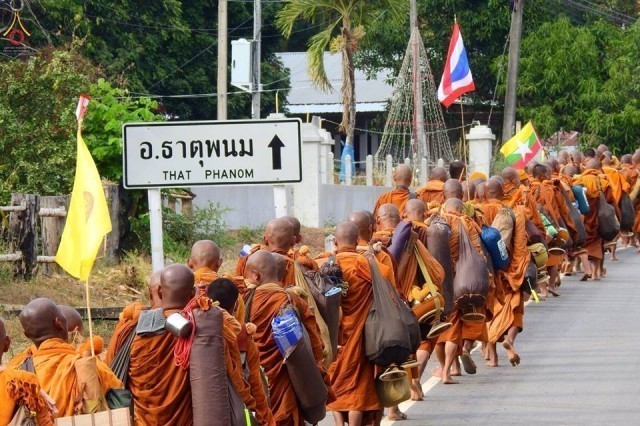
[449,381]
[554,292]
[514,358]
[395,414]
[456,372]
[492,364]
[585,277]
[416,391]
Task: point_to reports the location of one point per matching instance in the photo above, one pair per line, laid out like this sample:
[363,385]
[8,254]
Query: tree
[583,78]
[38,126]
[342,26]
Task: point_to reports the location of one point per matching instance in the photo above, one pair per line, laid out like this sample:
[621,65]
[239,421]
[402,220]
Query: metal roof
[371,94]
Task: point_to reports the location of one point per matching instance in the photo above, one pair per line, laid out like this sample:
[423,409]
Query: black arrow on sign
[276,146]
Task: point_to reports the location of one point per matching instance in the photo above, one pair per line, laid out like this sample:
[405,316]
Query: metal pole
[508,124]
[256,58]
[420,140]
[222,59]
[155,224]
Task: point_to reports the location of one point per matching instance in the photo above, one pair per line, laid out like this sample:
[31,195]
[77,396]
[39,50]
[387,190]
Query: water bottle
[287,331]
[245,250]
[329,244]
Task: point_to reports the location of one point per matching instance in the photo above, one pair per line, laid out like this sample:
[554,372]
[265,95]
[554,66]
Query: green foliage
[584,78]
[109,109]
[181,231]
[38,124]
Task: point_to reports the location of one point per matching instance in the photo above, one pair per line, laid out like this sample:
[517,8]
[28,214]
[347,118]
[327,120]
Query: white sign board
[206,153]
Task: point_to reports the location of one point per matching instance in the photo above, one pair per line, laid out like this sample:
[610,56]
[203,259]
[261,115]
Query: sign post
[209,153]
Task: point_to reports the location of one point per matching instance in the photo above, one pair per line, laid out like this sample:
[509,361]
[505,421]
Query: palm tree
[342,27]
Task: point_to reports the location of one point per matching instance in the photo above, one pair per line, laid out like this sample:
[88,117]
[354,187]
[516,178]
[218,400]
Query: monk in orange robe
[594,182]
[352,374]
[364,221]
[205,261]
[619,185]
[75,328]
[431,193]
[630,173]
[462,334]
[54,359]
[516,194]
[278,238]
[129,317]
[20,388]
[547,195]
[300,254]
[402,178]
[508,312]
[226,293]
[267,300]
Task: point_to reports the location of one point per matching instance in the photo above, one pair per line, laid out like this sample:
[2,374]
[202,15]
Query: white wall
[338,201]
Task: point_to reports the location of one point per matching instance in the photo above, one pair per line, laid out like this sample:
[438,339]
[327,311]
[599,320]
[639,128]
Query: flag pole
[464,138]
[88,297]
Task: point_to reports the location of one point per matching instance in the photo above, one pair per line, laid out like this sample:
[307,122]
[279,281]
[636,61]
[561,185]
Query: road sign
[207,153]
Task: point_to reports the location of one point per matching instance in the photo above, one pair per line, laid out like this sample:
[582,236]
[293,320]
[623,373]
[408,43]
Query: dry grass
[112,286]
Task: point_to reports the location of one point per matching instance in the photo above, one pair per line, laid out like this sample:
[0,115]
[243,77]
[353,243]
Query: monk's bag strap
[122,398]
[433,290]
[23,416]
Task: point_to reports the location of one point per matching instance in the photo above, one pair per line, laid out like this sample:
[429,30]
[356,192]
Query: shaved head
[452,189]
[480,195]
[494,189]
[570,170]
[154,289]
[602,148]
[74,319]
[415,210]
[363,220]
[576,157]
[453,205]
[281,266]
[295,224]
[593,164]
[554,165]
[403,175]
[177,286]
[262,268]
[346,234]
[468,190]
[510,175]
[541,172]
[279,235]
[388,217]
[439,173]
[41,320]
[205,254]
[626,159]
[5,341]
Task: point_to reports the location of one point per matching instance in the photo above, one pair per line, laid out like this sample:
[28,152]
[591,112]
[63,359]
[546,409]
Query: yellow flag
[87,220]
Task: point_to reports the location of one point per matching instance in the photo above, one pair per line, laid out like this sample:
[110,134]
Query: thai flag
[456,78]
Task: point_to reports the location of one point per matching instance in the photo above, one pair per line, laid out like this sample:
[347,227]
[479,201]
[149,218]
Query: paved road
[580,362]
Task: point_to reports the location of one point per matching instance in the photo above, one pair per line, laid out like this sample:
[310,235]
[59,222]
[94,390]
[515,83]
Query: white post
[480,138]
[388,179]
[440,162]
[407,161]
[155,223]
[424,172]
[347,170]
[280,200]
[330,160]
[369,170]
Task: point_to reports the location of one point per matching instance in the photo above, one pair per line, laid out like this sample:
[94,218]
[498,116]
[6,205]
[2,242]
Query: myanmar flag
[522,148]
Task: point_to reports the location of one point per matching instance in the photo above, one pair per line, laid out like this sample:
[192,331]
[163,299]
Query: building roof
[371,94]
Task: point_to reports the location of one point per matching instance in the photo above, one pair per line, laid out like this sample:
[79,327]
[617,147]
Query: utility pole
[222,59]
[418,108]
[256,59]
[509,121]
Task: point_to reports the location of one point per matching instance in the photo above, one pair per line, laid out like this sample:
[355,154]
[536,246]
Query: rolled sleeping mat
[438,245]
[308,385]
[207,370]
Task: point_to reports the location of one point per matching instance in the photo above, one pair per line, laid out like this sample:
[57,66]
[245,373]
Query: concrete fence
[320,199]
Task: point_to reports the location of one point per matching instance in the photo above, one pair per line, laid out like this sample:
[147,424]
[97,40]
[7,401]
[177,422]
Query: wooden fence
[34,228]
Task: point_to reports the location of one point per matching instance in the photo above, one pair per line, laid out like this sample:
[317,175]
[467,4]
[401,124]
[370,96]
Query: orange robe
[127,322]
[352,374]
[398,196]
[631,174]
[617,182]
[264,415]
[267,301]
[589,179]
[431,193]
[301,256]
[54,362]
[522,196]
[18,388]
[290,273]
[508,311]
[205,276]
[461,329]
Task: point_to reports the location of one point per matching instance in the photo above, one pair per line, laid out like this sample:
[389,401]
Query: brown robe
[431,193]
[398,196]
